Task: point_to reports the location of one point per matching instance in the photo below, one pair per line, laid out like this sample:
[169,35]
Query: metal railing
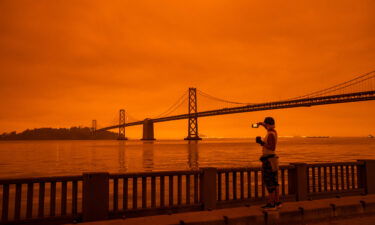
[246,184]
[133,194]
[95,196]
[332,178]
[40,199]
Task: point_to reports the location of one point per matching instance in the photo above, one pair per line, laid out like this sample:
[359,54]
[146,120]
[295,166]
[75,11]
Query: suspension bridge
[360,88]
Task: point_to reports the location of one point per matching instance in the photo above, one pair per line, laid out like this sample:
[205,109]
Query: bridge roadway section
[304,102]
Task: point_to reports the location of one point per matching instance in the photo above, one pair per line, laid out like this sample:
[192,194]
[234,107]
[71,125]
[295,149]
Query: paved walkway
[365,220]
[326,210]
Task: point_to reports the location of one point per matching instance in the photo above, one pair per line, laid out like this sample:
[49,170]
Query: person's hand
[259,140]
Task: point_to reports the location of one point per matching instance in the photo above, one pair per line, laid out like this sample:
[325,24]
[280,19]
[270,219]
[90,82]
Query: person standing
[270,163]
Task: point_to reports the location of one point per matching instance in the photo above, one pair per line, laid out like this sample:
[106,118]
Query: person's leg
[271,197]
[265,178]
[277,198]
[271,193]
[277,201]
[275,186]
[271,204]
[270,189]
[268,180]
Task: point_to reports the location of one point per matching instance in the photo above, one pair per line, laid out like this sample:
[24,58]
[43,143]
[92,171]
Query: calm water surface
[47,158]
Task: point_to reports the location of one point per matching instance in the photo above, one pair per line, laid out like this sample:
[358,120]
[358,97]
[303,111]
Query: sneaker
[278,204]
[269,206]
[265,206]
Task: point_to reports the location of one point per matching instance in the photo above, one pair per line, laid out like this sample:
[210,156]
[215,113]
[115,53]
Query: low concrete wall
[291,213]
[294,213]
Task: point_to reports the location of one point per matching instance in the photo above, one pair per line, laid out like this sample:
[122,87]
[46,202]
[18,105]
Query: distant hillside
[74,133]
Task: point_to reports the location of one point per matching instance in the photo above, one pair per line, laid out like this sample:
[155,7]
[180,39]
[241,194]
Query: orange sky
[64,63]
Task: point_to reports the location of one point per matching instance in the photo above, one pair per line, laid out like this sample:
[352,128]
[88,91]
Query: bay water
[73,157]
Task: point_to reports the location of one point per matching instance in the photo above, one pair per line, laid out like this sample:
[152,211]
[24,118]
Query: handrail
[239,169]
[40,179]
[335,164]
[154,173]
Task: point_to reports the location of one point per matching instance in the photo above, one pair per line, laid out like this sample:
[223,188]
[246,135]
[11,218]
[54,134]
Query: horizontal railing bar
[154,174]
[335,164]
[244,169]
[166,207]
[252,201]
[337,192]
[154,211]
[67,219]
[239,169]
[40,179]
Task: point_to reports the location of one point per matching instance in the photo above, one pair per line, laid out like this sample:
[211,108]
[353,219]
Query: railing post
[208,188]
[95,199]
[366,176]
[297,181]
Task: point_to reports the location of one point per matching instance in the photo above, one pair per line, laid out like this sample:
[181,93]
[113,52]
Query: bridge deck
[304,102]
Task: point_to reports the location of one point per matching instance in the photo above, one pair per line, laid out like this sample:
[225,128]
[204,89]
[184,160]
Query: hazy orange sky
[66,62]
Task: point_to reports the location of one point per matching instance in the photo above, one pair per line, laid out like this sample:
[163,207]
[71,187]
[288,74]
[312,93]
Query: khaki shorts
[274,163]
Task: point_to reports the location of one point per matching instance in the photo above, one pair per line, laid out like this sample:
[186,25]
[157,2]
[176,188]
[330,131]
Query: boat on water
[370,136]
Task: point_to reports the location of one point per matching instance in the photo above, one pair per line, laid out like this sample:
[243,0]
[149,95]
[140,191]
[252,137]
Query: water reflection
[123,165]
[148,155]
[57,156]
[193,155]
[92,159]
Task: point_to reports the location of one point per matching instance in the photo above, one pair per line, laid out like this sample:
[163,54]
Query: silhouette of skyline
[73,133]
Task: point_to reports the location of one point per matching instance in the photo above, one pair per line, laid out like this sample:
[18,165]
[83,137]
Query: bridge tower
[93,126]
[93,129]
[193,119]
[121,129]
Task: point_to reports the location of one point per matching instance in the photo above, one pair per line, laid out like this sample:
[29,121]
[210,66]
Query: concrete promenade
[323,211]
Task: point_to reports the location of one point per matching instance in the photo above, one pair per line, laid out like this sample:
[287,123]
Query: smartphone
[255,125]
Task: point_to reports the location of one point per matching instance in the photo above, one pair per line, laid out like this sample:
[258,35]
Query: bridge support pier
[121,129]
[148,130]
[193,119]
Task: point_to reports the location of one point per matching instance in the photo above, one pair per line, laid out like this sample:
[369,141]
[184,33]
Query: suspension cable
[337,86]
[131,118]
[222,100]
[348,85]
[174,106]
